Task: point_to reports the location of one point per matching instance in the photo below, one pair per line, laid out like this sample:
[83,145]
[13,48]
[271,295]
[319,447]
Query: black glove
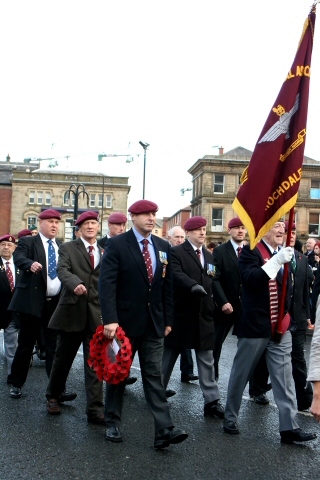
[198,289]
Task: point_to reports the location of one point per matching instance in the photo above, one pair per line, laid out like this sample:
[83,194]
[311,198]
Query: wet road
[35,445]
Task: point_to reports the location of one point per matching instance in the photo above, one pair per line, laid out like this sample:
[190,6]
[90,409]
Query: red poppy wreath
[114,370]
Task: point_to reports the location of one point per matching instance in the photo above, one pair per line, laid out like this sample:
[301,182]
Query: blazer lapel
[135,251]
[4,275]
[232,254]
[39,248]
[83,251]
[189,248]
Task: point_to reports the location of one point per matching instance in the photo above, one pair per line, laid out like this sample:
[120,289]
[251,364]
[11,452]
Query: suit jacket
[126,296]
[300,305]
[193,315]
[254,320]
[73,311]
[227,280]
[30,292]
[102,241]
[6,296]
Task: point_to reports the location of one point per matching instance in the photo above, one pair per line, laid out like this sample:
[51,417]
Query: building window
[314,222]
[315,190]
[66,198]
[108,201]
[93,200]
[32,195]
[48,198]
[217,220]
[32,222]
[39,198]
[100,201]
[218,184]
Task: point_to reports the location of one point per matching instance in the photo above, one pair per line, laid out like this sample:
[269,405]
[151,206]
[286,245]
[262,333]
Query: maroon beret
[286,223]
[195,222]
[24,233]
[7,238]
[50,213]
[143,206]
[235,222]
[117,217]
[90,215]
[317,244]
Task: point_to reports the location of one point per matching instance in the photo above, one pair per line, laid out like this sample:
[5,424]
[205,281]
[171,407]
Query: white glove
[273,265]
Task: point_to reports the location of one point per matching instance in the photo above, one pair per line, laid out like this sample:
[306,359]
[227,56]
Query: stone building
[216,180]
[37,190]
[178,218]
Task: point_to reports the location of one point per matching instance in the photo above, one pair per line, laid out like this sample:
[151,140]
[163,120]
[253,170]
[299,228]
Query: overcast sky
[81,78]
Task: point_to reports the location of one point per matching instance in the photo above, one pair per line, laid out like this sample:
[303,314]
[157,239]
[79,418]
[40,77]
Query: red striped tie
[147,259]
[10,276]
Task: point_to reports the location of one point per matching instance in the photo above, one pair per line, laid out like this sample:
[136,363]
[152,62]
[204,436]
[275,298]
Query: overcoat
[6,296]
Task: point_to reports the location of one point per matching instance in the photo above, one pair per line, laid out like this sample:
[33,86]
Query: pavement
[35,445]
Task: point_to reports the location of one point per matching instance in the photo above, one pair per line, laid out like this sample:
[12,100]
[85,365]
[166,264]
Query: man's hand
[80,290]
[315,406]
[199,290]
[227,308]
[167,331]
[110,330]
[36,267]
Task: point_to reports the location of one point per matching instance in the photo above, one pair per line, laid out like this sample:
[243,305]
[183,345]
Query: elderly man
[77,315]
[116,224]
[35,297]
[261,275]
[193,327]
[9,321]
[135,291]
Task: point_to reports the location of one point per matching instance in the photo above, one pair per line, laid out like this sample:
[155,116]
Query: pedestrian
[35,297]
[77,316]
[116,224]
[135,291]
[193,327]
[261,275]
[9,321]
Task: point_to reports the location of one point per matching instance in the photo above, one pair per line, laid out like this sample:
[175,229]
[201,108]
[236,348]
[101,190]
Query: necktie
[293,263]
[10,276]
[147,259]
[52,263]
[239,250]
[91,248]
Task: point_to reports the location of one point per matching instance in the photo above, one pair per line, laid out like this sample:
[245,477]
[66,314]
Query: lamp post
[144,146]
[77,190]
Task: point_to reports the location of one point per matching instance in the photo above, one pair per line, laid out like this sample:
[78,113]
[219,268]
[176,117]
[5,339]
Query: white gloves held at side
[273,265]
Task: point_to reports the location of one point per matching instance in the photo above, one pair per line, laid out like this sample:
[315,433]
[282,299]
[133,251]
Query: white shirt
[53,286]
[201,252]
[236,246]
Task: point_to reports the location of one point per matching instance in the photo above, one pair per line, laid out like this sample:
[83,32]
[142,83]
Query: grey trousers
[278,357]
[205,364]
[10,343]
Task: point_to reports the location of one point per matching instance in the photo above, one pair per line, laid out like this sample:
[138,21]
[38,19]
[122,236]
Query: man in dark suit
[35,297]
[193,327]
[9,321]
[226,286]
[77,315]
[261,275]
[135,290]
[300,312]
[116,224]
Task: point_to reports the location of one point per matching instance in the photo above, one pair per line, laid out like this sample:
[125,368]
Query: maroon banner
[270,183]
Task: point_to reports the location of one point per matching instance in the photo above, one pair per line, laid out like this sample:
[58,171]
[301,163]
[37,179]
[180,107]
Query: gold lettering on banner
[294,145]
[301,71]
[283,187]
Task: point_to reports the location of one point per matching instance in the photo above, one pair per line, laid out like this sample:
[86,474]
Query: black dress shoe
[261,399]
[230,427]
[189,377]
[67,397]
[131,380]
[296,435]
[9,381]
[214,410]
[170,393]
[96,419]
[113,434]
[169,435]
[15,392]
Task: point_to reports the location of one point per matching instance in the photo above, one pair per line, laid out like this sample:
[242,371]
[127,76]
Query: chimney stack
[221,150]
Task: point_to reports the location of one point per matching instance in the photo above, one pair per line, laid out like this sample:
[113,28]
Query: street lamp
[183,190]
[77,190]
[144,146]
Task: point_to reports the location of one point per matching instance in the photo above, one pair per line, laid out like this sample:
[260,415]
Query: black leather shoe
[113,434]
[261,399]
[186,378]
[296,435]
[131,380]
[67,397]
[214,409]
[15,392]
[170,393]
[304,407]
[96,419]
[230,427]
[169,435]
